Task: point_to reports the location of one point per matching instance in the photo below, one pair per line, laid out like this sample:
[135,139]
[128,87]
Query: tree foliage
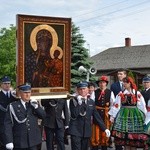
[8,52]
[80,57]
[131,74]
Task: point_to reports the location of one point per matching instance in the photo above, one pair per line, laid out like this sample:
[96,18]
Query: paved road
[67,147]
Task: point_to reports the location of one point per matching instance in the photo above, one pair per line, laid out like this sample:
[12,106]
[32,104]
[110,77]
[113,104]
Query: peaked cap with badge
[5,79]
[25,87]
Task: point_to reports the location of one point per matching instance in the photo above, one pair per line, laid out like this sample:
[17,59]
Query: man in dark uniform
[82,108]
[54,122]
[146,91]
[21,122]
[6,97]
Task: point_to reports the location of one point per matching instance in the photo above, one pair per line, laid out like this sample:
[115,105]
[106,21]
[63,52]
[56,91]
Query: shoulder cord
[2,108]
[12,112]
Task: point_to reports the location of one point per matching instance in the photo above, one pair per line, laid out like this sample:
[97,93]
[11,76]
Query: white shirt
[92,96]
[79,98]
[5,92]
[147,89]
[23,103]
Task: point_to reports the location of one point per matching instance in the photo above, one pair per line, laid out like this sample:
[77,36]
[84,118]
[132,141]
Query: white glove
[79,99]
[107,133]
[10,146]
[112,119]
[66,127]
[34,103]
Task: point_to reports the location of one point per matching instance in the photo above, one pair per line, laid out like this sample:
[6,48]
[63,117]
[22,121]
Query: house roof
[123,57]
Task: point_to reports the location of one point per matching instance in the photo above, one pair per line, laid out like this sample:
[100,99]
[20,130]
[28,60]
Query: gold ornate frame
[27,29]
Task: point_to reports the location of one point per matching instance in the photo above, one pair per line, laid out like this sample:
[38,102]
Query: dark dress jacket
[4,102]
[26,134]
[115,87]
[54,109]
[82,125]
[146,95]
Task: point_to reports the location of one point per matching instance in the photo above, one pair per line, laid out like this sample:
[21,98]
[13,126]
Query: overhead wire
[100,9]
[112,12]
[119,17]
[89,25]
[126,15]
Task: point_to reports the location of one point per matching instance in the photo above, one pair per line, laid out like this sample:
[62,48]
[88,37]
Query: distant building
[134,58]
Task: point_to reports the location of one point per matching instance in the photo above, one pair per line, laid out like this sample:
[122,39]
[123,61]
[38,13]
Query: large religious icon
[43,53]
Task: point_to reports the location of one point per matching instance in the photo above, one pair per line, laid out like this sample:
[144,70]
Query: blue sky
[104,23]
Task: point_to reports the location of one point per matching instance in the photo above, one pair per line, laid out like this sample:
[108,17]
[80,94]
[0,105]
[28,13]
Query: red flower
[122,97]
[120,94]
[139,95]
[148,109]
[134,99]
[116,105]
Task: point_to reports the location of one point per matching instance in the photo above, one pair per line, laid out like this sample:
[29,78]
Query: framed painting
[43,54]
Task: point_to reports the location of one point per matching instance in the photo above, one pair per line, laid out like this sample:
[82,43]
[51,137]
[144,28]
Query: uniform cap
[6,79]
[146,79]
[25,87]
[82,84]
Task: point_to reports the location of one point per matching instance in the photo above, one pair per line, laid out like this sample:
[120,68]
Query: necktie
[27,105]
[7,95]
[122,88]
[83,108]
[83,100]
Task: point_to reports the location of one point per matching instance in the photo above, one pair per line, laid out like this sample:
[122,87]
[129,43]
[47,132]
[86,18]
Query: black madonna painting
[43,53]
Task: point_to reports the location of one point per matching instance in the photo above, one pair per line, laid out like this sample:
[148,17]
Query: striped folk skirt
[128,127]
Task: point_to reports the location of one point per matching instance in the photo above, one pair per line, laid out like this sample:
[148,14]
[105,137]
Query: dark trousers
[31,148]
[118,147]
[2,142]
[102,148]
[79,143]
[2,147]
[59,135]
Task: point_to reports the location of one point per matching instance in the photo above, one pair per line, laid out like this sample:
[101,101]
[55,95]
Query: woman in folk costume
[129,111]
[104,99]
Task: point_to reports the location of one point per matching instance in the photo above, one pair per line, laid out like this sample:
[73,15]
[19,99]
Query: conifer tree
[80,57]
[131,74]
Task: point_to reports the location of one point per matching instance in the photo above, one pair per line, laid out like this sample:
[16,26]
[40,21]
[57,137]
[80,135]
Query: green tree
[80,57]
[8,52]
[131,74]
